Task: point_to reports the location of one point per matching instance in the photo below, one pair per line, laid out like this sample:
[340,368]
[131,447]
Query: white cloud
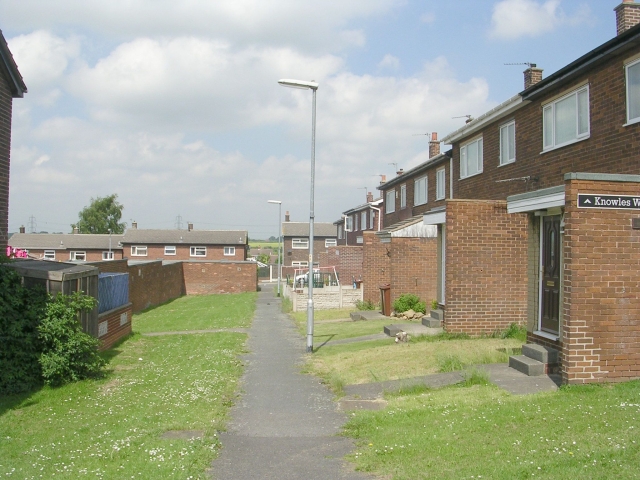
[389,62]
[513,19]
[428,17]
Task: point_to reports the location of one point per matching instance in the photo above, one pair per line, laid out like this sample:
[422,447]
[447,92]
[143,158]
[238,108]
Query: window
[390,202]
[508,143]
[198,251]
[359,239]
[107,255]
[364,220]
[403,197]
[441,184]
[300,243]
[566,120]
[348,224]
[169,249]
[229,250]
[357,222]
[372,215]
[471,158]
[420,191]
[78,256]
[633,91]
[340,232]
[330,242]
[299,264]
[49,255]
[138,251]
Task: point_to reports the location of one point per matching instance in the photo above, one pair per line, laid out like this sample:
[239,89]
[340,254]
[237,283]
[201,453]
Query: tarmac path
[285,424]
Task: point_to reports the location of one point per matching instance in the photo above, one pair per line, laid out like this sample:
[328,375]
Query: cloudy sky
[175,106]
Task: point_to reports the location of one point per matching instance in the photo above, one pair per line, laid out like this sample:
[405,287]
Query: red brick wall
[114,266]
[115,331]
[153,283]
[601,304]
[346,259]
[486,267]
[414,267]
[376,270]
[6,102]
[301,254]
[183,252]
[220,277]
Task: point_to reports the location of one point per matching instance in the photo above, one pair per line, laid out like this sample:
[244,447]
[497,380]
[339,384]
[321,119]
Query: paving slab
[518,383]
[413,329]
[367,315]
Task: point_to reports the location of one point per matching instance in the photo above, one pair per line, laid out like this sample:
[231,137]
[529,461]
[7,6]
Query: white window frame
[300,243]
[507,135]
[108,255]
[49,255]
[139,250]
[78,256]
[417,189]
[363,220]
[372,215]
[356,219]
[340,232]
[229,251]
[441,183]
[299,264]
[170,250]
[548,119]
[464,161]
[348,225]
[403,196]
[359,239]
[198,251]
[330,242]
[390,201]
[634,64]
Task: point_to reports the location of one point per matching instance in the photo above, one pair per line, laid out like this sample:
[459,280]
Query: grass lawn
[263,245]
[113,428]
[484,432]
[336,324]
[199,312]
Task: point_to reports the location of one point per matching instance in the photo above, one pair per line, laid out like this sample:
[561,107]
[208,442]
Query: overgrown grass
[321,315]
[484,432]
[198,312]
[113,428]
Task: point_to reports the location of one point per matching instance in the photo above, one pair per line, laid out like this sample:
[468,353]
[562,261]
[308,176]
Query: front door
[550,311]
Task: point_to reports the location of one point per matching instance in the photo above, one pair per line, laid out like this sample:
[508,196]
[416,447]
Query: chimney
[383,179]
[532,75]
[434,145]
[627,15]
[134,224]
[189,226]
[22,230]
[286,216]
[75,230]
[400,172]
[369,197]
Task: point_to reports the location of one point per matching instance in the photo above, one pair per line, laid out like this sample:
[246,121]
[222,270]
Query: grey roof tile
[193,237]
[64,241]
[301,229]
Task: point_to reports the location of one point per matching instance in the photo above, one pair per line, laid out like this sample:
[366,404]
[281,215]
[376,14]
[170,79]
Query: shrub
[519,332]
[366,305]
[68,354]
[434,305]
[408,301]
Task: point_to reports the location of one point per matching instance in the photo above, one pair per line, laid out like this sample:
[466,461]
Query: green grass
[320,315]
[198,312]
[484,432]
[257,244]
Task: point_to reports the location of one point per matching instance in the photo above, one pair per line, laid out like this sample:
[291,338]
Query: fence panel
[113,291]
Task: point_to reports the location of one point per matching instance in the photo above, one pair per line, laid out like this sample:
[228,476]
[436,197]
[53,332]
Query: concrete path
[285,424]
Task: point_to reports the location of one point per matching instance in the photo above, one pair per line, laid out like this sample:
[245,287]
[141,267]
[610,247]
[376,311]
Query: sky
[176,107]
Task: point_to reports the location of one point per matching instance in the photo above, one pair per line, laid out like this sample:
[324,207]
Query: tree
[101,216]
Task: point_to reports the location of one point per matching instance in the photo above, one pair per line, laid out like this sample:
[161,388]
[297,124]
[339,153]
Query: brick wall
[486,267]
[153,284]
[325,298]
[220,277]
[346,259]
[601,305]
[376,270]
[183,252]
[414,268]
[118,325]
[6,102]
[302,254]
[114,266]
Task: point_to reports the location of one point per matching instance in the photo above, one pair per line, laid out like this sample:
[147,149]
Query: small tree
[101,216]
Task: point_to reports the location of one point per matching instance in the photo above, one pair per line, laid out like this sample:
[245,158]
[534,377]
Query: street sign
[625,202]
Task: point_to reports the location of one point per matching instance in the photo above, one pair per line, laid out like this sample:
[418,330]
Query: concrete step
[527,365]
[437,314]
[431,322]
[540,353]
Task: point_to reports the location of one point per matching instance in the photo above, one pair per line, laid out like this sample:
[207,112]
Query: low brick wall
[201,278]
[153,283]
[114,325]
[326,298]
[376,259]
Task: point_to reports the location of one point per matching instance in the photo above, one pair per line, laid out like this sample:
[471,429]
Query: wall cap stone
[605,177]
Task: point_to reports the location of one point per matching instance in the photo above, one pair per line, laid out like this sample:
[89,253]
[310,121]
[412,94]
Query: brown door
[551,274]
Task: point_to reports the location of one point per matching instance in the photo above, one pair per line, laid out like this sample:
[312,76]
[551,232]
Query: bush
[20,312]
[68,354]
[366,305]
[408,301]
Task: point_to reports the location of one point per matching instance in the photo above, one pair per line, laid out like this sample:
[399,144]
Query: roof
[193,237]
[412,227]
[416,170]
[10,69]
[364,206]
[301,229]
[64,241]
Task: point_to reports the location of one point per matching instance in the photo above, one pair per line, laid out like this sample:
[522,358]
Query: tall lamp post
[279,203]
[313,86]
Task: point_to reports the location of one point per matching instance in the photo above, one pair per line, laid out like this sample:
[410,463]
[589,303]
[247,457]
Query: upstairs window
[372,215]
[420,191]
[198,251]
[356,221]
[107,255]
[138,251]
[566,120]
[363,221]
[441,186]
[508,143]
[169,249]
[348,225]
[471,158]
[390,201]
[49,255]
[300,243]
[340,232]
[229,251]
[633,91]
[78,256]
[330,242]
[403,197]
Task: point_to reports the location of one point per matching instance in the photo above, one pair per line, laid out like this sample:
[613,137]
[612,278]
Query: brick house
[190,244]
[296,242]
[542,227]
[355,221]
[68,247]
[11,86]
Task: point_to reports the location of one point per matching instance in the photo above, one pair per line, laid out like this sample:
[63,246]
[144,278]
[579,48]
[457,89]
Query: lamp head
[278,202]
[304,84]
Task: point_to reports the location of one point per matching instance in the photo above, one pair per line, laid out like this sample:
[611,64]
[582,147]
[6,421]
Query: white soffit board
[416,230]
[436,218]
[530,204]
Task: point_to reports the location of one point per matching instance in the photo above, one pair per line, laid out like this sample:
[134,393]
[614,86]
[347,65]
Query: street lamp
[313,86]
[279,203]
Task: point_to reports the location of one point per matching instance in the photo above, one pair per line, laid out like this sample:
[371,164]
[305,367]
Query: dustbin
[385,299]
